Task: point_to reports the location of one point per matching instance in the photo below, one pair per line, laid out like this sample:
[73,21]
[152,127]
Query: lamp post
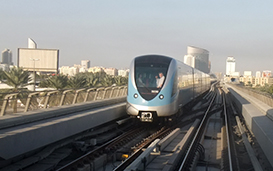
[34,72]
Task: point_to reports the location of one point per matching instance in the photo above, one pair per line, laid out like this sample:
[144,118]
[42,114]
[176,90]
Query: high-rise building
[7,57]
[230,65]
[197,58]
[189,60]
[85,64]
[32,44]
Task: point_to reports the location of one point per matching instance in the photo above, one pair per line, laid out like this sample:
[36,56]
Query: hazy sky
[111,33]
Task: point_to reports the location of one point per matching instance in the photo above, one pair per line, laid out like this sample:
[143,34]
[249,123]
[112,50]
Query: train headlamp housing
[161,96]
[135,95]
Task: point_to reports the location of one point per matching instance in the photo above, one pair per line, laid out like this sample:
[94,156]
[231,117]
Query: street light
[34,73]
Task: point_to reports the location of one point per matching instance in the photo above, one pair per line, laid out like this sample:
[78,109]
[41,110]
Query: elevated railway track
[193,142]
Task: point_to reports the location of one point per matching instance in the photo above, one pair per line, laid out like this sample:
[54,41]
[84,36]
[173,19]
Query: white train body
[182,84]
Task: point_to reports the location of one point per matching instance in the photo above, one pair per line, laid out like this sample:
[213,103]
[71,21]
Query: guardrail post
[63,96]
[48,96]
[121,91]
[125,91]
[5,103]
[77,94]
[97,92]
[112,92]
[105,91]
[118,93]
[87,93]
[29,100]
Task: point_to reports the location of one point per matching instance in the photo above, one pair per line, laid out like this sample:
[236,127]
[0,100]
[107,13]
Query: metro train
[159,86]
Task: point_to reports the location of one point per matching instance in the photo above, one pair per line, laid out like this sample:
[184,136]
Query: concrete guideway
[40,128]
[12,120]
[258,117]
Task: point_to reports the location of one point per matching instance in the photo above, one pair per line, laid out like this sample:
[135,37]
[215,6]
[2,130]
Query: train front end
[150,88]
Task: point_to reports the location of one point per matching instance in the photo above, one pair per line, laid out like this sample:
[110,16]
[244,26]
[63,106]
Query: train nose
[146,117]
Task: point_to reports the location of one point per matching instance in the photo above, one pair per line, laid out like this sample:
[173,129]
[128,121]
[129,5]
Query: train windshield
[150,74]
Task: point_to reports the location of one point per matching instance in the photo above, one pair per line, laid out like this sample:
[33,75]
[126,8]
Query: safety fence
[28,101]
[265,98]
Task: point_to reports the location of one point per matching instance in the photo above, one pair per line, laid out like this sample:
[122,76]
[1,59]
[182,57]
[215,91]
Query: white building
[111,71]
[258,74]
[70,71]
[64,70]
[197,58]
[123,73]
[95,69]
[73,71]
[7,57]
[85,64]
[266,73]
[82,69]
[230,66]
[247,73]
[235,74]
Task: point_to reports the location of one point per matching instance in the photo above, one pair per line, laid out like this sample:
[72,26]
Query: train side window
[175,84]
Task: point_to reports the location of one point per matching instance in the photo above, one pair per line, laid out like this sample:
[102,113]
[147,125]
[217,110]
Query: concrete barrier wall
[18,140]
[41,114]
[257,121]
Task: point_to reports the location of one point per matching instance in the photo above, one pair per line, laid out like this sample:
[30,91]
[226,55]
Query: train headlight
[161,96]
[135,95]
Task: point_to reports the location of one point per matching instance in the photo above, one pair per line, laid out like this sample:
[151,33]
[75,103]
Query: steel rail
[74,163]
[129,160]
[227,134]
[190,149]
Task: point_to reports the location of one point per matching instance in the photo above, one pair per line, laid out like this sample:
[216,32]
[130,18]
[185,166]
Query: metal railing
[28,101]
[265,98]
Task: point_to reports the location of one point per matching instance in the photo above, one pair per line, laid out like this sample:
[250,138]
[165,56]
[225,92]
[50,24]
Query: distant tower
[7,57]
[31,44]
[189,60]
[230,65]
[85,64]
[197,58]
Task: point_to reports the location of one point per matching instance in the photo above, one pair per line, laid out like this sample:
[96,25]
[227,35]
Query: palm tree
[107,81]
[92,80]
[100,75]
[16,78]
[77,82]
[119,80]
[58,81]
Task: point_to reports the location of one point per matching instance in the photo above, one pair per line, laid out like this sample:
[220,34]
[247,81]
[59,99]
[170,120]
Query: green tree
[100,76]
[92,80]
[119,80]
[264,88]
[58,81]
[106,81]
[16,78]
[270,90]
[77,82]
